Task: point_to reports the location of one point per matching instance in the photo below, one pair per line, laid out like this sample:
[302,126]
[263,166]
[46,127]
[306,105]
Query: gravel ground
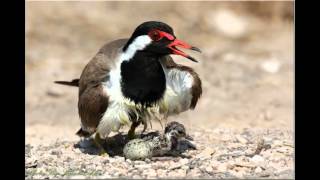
[230,154]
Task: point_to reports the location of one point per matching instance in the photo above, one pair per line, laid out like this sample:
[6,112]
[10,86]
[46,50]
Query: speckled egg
[137,149]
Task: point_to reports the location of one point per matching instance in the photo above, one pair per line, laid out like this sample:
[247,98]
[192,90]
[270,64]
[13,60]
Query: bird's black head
[156,38]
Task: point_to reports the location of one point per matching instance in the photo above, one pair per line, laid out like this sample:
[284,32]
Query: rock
[258,170]
[257,159]
[185,167]
[209,169]
[183,161]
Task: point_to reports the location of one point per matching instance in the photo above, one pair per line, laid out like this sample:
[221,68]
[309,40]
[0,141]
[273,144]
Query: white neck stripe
[138,43]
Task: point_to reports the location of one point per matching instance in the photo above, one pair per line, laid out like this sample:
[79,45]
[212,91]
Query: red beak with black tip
[178,43]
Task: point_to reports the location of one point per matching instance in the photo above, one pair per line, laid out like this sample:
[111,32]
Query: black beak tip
[192,59]
[196,49]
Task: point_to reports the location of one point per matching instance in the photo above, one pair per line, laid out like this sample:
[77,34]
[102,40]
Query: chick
[156,144]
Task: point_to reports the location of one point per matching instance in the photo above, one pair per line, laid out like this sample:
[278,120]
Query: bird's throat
[142,79]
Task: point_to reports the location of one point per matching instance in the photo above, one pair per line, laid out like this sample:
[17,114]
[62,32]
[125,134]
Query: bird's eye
[155,35]
[180,132]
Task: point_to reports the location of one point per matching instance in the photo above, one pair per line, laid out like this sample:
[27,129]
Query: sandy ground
[246,69]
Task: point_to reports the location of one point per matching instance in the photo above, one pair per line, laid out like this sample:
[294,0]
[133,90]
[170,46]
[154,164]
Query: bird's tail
[74,82]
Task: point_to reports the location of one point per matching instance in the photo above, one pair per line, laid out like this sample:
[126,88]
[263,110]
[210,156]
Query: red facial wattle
[157,35]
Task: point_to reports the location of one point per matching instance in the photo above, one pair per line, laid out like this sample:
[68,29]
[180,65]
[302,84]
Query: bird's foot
[99,144]
[131,132]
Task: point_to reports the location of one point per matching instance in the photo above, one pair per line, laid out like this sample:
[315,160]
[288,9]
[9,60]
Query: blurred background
[246,66]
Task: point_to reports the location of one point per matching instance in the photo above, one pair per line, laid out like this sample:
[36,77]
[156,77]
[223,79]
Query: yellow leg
[131,132]
[99,143]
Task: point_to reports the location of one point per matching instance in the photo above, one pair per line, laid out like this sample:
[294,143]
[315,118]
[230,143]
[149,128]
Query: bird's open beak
[178,43]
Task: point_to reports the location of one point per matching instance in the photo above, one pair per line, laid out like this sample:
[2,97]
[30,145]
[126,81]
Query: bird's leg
[131,133]
[99,143]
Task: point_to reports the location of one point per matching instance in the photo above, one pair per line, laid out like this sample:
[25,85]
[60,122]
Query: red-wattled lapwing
[130,81]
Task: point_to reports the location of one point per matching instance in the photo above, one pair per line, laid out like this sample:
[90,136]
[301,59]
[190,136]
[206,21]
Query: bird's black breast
[143,79]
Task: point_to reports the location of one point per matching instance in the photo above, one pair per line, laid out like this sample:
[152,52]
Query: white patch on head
[113,87]
[139,43]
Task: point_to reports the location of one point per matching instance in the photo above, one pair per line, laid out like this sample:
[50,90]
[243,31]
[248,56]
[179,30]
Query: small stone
[183,161]
[128,161]
[257,159]
[258,170]
[209,169]
[185,167]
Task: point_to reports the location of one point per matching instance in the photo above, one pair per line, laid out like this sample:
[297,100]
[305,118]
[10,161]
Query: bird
[133,80]
[157,144]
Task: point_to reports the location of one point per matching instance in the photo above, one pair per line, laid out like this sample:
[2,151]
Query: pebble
[185,167]
[209,169]
[257,159]
[258,170]
[183,161]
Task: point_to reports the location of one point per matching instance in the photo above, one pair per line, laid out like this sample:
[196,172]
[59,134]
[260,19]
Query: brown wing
[196,87]
[93,100]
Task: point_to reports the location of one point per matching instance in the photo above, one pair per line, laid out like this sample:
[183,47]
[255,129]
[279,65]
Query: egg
[137,149]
